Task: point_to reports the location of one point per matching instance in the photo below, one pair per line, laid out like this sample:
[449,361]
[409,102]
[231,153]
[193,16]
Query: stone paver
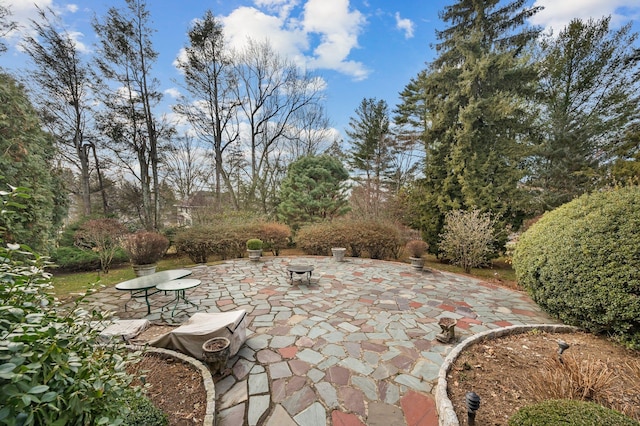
[355,346]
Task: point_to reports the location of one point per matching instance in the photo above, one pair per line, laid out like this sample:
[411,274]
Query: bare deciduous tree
[125,59]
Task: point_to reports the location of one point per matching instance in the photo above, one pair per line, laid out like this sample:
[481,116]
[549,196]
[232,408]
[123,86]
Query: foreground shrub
[144,247]
[52,370]
[468,238]
[378,240]
[580,263]
[570,413]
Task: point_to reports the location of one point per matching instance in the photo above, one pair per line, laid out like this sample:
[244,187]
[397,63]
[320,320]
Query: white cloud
[406,25]
[80,46]
[248,22]
[173,92]
[331,22]
[23,11]
[339,29]
[557,14]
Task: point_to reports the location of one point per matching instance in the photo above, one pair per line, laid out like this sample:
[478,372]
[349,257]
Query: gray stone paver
[376,319]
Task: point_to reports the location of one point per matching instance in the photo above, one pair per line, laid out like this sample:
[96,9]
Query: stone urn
[254,248]
[338,253]
[417,262]
[447,325]
[215,353]
[142,270]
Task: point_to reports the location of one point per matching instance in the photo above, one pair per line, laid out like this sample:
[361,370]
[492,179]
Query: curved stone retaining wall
[210,411]
[446,414]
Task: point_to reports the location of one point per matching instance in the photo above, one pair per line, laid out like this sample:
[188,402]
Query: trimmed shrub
[416,248]
[144,247]
[378,240]
[319,238]
[143,411]
[571,413]
[580,263]
[254,244]
[74,259]
[276,236]
[195,243]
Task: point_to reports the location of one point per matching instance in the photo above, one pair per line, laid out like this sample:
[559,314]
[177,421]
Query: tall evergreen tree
[371,150]
[26,160]
[590,93]
[474,96]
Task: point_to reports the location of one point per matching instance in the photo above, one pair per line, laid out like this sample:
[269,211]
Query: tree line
[505,119]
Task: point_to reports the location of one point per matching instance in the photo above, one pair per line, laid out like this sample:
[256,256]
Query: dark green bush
[53,371]
[378,240]
[580,263]
[571,413]
[74,259]
[143,411]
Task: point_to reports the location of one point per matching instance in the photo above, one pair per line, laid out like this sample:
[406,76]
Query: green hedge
[581,263]
[74,259]
[378,240]
[570,413]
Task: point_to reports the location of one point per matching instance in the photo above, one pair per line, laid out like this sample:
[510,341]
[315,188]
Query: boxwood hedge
[581,263]
[571,413]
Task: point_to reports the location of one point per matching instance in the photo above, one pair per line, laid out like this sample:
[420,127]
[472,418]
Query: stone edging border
[446,414]
[207,380]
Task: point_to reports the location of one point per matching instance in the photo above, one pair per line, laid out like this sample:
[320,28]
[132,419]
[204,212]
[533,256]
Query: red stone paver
[288,352]
[338,418]
[503,323]
[353,399]
[338,375]
[419,409]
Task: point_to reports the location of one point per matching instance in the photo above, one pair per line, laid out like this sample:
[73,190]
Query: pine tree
[313,190]
[371,150]
[590,86]
[474,96]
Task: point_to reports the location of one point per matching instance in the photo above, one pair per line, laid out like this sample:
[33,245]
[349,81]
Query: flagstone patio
[356,346]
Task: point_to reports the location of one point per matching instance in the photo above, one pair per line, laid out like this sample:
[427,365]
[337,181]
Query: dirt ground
[174,387]
[511,372]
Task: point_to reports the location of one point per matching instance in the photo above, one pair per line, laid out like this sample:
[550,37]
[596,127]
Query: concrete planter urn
[143,270]
[254,248]
[417,262]
[215,353]
[338,253]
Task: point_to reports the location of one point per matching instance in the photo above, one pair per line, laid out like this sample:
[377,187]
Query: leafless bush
[145,247]
[102,236]
[468,238]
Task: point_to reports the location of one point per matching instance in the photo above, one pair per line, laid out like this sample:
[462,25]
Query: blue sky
[361,48]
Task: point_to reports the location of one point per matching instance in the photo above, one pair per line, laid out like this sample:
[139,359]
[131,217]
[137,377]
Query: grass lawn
[72,284]
[500,272]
